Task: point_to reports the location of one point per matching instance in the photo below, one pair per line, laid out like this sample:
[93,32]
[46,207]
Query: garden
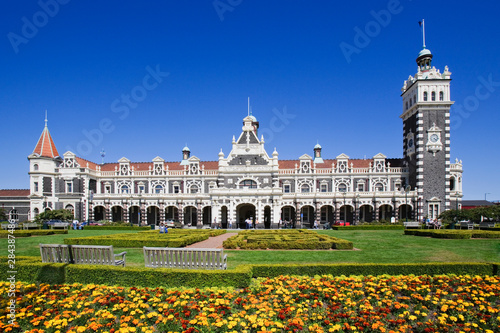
[388,282]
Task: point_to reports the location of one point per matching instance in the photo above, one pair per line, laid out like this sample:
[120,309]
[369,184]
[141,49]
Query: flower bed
[297,304]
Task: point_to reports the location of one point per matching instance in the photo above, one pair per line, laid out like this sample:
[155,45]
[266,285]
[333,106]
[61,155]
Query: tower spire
[45,117]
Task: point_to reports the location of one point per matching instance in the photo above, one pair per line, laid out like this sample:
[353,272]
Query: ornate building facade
[250,183]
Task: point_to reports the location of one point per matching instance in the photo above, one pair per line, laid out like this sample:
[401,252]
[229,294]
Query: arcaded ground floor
[262,216]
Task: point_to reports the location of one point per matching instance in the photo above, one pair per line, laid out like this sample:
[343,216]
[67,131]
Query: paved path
[212,242]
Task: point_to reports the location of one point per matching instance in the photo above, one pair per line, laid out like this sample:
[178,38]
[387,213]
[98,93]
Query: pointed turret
[45,146]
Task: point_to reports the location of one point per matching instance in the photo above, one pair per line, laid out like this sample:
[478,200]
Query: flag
[419,23]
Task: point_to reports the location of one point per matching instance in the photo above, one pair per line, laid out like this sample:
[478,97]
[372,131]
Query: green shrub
[115,227]
[374,269]
[369,227]
[28,233]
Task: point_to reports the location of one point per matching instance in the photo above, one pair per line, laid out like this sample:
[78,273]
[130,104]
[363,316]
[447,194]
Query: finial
[248,106]
[45,117]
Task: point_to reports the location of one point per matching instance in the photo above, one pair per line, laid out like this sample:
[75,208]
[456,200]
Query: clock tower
[426,135]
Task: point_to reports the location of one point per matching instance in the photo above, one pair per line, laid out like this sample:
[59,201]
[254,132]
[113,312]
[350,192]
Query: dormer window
[248,183]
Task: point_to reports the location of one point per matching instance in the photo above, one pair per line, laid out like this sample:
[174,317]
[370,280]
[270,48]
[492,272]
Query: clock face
[434,138]
[410,143]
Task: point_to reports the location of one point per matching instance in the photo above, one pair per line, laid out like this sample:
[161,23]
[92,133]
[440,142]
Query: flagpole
[423,31]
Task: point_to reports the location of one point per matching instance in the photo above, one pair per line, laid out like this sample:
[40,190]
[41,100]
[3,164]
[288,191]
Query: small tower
[186,153]
[43,162]
[317,154]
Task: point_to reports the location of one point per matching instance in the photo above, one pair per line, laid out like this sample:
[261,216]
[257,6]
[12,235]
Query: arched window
[35,167]
[433,96]
[305,188]
[158,189]
[379,187]
[441,96]
[125,189]
[70,208]
[414,99]
[36,211]
[410,102]
[193,189]
[406,105]
[13,215]
[452,183]
[342,187]
[248,183]
[425,96]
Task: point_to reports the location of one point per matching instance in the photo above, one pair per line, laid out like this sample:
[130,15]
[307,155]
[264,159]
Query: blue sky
[143,78]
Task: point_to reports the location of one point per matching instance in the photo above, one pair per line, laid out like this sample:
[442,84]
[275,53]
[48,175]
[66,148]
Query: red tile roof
[14,193]
[45,146]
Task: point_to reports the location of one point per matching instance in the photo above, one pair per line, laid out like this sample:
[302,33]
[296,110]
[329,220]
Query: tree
[3,215]
[57,214]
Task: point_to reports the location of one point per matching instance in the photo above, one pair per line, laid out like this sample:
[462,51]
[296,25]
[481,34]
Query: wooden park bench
[6,226]
[466,224]
[184,258]
[81,254]
[412,224]
[31,225]
[60,225]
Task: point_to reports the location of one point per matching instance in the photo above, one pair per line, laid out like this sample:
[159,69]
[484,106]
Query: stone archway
[267,217]
[288,216]
[243,212]
[191,216]
[385,213]
[405,213]
[99,213]
[366,213]
[116,213]
[134,214]
[153,215]
[307,216]
[327,216]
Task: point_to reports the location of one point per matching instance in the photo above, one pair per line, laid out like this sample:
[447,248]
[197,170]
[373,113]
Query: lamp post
[345,208]
[356,208]
[407,189]
[485,196]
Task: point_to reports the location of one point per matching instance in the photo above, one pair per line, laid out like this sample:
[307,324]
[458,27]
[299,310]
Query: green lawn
[372,246]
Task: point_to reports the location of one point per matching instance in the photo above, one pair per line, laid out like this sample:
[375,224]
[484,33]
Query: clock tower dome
[426,135]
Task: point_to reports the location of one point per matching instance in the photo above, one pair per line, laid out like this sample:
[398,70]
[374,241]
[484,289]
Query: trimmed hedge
[453,233]
[30,269]
[153,277]
[369,227]
[285,240]
[375,269]
[29,233]
[110,227]
[174,238]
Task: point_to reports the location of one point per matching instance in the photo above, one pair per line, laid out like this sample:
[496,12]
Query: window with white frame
[323,187]
[305,188]
[177,188]
[433,210]
[158,189]
[141,188]
[193,189]
[342,187]
[107,189]
[69,187]
[441,96]
[361,187]
[425,96]
[70,208]
[286,188]
[35,167]
[379,187]
[248,183]
[35,186]
[125,189]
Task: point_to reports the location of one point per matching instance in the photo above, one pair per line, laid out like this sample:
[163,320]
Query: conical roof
[45,146]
